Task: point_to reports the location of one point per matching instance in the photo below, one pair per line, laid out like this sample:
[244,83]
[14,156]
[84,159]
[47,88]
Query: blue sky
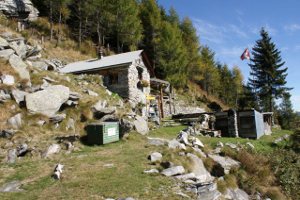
[230,26]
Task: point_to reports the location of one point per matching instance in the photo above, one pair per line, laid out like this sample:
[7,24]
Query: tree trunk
[51,19]
[59,28]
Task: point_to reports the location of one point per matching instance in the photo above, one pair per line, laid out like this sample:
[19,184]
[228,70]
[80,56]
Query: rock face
[48,101]
[198,169]
[157,141]
[19,95]
[19,66]
[177,170]
[208,192]
[13,8]
[225,162]
[141,125]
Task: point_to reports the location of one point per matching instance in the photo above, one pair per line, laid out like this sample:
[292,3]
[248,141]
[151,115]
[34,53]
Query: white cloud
[292,27]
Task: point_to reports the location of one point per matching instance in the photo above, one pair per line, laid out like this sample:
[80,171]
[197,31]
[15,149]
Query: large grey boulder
[225,162]
[19,95]
[236,194]
[184,177]
[15,121]
[198,168]
[13,186]
[141,125]
[19,66]
[12,8]
[47,101]
[6,53]
[172,171]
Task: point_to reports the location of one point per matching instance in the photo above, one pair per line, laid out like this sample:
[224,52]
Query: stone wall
[138,94]
[121,87]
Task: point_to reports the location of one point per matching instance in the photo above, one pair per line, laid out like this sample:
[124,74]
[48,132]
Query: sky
[230,26]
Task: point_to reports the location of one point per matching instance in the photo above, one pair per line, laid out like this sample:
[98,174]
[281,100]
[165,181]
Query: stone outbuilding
[127,74]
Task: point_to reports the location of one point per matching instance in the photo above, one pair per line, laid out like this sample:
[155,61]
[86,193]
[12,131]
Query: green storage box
[102,133]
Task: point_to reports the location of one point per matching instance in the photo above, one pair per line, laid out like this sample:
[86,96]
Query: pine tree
[237,84]
[150,14]
[286,113]
[267,76]
[172,56]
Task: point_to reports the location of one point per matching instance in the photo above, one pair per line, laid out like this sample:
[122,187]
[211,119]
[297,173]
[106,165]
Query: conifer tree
[268,75]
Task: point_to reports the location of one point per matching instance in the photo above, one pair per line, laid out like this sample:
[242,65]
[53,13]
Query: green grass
[86,177]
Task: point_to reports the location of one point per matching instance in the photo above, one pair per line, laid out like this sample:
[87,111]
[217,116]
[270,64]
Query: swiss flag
[245,55]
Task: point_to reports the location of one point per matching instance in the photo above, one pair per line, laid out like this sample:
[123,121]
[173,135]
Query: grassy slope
[86,177]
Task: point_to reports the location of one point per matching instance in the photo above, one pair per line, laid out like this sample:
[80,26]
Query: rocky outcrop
[19,8]
[47,101]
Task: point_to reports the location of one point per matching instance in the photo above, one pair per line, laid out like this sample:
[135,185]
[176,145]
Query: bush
[286,165]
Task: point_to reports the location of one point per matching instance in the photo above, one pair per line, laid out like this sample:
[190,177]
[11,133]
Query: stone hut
[126,74]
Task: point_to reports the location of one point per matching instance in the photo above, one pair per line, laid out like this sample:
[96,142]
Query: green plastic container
[102,133]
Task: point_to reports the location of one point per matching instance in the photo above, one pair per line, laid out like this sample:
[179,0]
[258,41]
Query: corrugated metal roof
[104,62]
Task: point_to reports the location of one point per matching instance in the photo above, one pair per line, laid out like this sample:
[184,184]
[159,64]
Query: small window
[112,79]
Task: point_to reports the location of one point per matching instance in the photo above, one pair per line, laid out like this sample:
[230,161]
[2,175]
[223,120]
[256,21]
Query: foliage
[286,115]
[267,75]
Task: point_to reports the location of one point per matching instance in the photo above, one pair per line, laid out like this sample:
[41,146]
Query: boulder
[22,150]
[19,47]
[225,162]
[151,171]
[11,156]
[100,112]
[39,65]
[57,118]
[199,151]
[99,105]
[13,186]
[7,133]
[52,149]
[33,51]
[154,157]
[250,145]
[231,145]
[15,121]
[198,168]
[236,194]
[47,101]
[185,177]
[4,95]
[183,137]
[91,93]
[7,79]
[141,125]
[125,126]
[174,144]
[17,8]
[19,66]
[177,170]
[19,95]
[208,192]
[196,142]
[6,53]
[157,141]
[74,96]
[3,42]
